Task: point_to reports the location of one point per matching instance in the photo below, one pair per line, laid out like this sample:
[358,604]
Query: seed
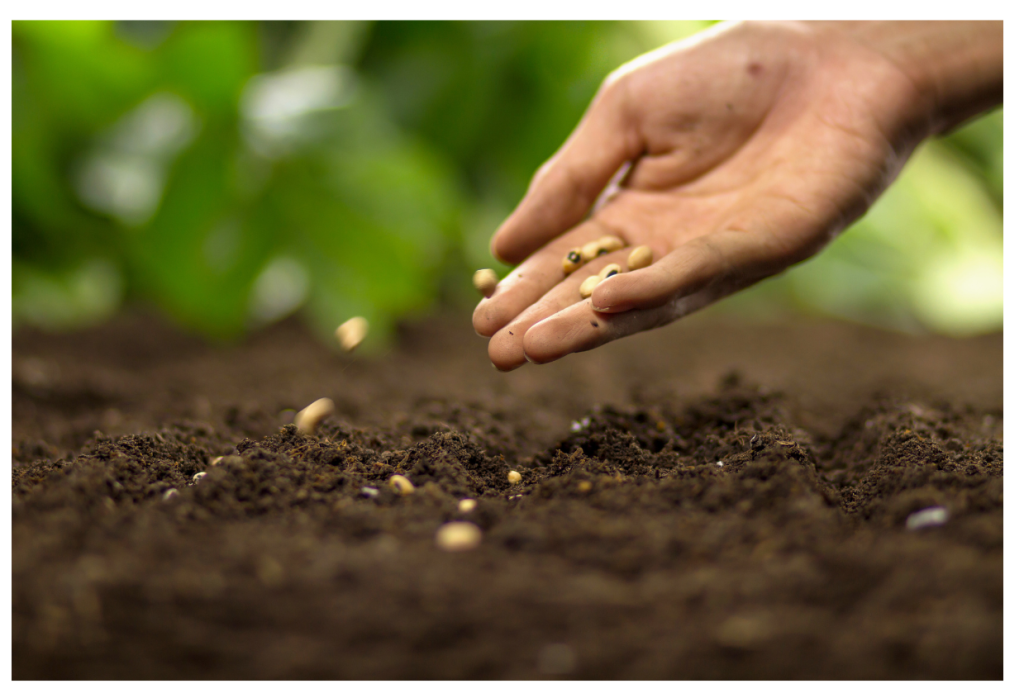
[593,250]
[514,477]
[584,486]
[587,287]
[401,484]
[216,460]
[197,477]
[170,494]
[932,516]
[485,281]
[611,243]
[458,535]
[307,420]
[609,271]
[573,260]
[369,492]
[466,505]
[351,333]
[639,258]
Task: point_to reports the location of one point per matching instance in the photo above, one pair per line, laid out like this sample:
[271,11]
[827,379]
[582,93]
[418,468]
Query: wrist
[957,67]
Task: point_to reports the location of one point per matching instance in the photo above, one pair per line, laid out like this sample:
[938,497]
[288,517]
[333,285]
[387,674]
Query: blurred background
[234,173]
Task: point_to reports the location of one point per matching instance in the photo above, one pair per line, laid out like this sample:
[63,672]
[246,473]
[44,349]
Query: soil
[714,500]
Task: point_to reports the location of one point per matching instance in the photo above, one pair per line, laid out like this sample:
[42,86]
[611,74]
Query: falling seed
[573,260]
[307,420]
[351,333]
[197,477]
[639,258]
[170,494]
[932,516]
[485,281]
[458,536]
[514,477]
[401,484]
[587,287]
[466,505]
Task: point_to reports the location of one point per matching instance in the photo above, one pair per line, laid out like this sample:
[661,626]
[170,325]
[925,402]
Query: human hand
[749,148]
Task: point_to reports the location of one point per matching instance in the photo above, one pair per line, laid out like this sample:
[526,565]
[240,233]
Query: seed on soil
[585,486]
[587,287]
[485,281]
[466,505]
[609,271]
[514,477]
[351,333]
[458,535]
[573,260]
[307,420]
[401,484]
[932,516]
[369,491]
[170,494]
[197,477]
[216,460]
[639,258]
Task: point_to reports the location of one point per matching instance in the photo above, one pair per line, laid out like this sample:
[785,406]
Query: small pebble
[401,484]
[458,536]
[170,494]
[639,258]
[466,505]
[307,420]
[933,516]
[485,281]
[514,477]
[197,477]
[351,333]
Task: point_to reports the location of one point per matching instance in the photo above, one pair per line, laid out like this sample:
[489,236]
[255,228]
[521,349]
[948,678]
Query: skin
[732,155]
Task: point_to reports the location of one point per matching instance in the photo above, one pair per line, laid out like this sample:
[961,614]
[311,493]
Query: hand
[748,148]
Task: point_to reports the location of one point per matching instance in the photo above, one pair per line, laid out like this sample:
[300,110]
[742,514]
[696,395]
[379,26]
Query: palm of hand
[749,151]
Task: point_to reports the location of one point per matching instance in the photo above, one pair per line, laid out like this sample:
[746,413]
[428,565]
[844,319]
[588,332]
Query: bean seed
[639,258]
[307,420]
[216,460]
[401,484]
[197,477]
[466,505]
[609,271]
[593,250]
[170,494]
[458,536]
[611,243]
[485,280]
[587,287]
[573,260]
[514,477]
[352,332]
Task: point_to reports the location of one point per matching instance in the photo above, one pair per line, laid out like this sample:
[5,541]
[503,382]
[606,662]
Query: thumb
[566,186]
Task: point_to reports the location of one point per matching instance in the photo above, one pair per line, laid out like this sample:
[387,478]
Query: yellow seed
[458,536]
[485,280]
[307,420]
[198,476]
[590,251]
[611,243]
[573,260]
[514,477]
[610,270]
[466,505]
[587,287]
[640,257]
[401,484]
[351,333]
[216,460]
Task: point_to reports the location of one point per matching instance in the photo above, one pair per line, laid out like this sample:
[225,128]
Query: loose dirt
[709,501]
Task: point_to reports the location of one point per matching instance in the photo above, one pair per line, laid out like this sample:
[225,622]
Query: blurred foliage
[232,173]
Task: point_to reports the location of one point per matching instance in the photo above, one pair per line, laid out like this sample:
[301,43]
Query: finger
[581,328]
[506,346]
[532,279]
[564,188]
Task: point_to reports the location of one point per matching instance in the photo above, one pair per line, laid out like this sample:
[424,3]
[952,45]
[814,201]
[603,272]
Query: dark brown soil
[709,501]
